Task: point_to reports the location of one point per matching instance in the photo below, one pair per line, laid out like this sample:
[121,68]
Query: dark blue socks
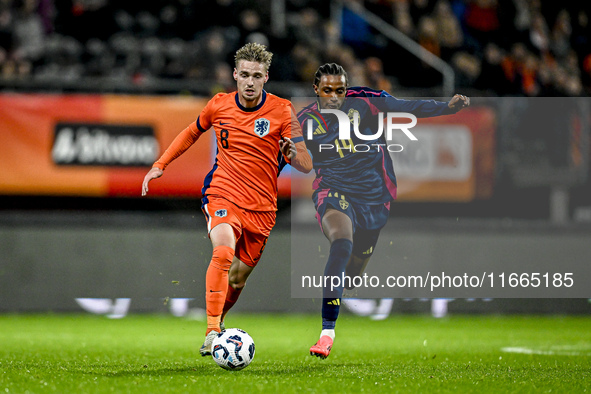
[340,253]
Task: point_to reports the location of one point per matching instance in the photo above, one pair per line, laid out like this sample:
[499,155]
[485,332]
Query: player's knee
[338,233]
[336,225]
[222,257]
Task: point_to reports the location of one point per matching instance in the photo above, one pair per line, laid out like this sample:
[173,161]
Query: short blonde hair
[254,52]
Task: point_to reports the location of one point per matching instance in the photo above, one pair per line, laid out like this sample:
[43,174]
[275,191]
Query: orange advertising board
[457,161]
[103,145]
[64,144]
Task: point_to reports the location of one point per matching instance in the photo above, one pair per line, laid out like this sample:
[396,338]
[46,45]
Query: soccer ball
[233,349]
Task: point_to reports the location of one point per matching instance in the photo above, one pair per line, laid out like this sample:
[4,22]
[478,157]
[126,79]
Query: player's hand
[288,148]
[458,102]
[154,173]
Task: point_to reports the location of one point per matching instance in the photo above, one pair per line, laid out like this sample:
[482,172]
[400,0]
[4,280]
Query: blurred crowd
[505,47]
[510,47]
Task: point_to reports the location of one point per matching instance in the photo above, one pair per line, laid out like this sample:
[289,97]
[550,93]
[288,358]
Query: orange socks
[216,285]
[231,298]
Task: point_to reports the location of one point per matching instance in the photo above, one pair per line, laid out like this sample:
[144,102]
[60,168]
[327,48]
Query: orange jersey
[248,155]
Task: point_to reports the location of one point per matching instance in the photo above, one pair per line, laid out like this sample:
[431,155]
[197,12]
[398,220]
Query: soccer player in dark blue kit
[353,188]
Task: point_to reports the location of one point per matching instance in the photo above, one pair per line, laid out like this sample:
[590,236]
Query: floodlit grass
[159,354]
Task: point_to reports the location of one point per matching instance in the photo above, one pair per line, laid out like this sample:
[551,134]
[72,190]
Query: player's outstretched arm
[154,173]
[459,101]
[179,145]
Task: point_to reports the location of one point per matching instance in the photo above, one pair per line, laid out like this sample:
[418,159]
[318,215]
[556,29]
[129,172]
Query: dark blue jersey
[366,174]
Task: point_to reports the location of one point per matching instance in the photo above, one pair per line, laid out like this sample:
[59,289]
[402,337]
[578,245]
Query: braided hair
[330,69]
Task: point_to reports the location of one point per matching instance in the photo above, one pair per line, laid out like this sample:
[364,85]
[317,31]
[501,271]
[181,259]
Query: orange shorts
[251,228]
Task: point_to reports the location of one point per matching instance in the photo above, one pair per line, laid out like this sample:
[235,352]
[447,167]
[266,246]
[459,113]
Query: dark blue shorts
[367,219]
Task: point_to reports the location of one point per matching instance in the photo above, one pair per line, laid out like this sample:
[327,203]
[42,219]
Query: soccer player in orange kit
[256,134]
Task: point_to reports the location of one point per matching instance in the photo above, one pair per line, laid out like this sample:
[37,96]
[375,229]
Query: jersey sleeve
[364,91]
[179,145]
[206,117]
[419,108]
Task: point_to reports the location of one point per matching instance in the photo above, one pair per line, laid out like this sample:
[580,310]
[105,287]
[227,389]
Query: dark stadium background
[56,247]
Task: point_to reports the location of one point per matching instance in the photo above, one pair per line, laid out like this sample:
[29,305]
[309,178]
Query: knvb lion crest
[262,127]
[221,213]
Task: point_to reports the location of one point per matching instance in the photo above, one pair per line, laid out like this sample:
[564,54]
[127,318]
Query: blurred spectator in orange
[528,75]
[427,36]
[511,65]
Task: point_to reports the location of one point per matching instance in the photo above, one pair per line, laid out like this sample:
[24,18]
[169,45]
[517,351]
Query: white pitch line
[525,350]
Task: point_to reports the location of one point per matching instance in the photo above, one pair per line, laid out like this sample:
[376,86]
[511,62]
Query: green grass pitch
[159,354]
